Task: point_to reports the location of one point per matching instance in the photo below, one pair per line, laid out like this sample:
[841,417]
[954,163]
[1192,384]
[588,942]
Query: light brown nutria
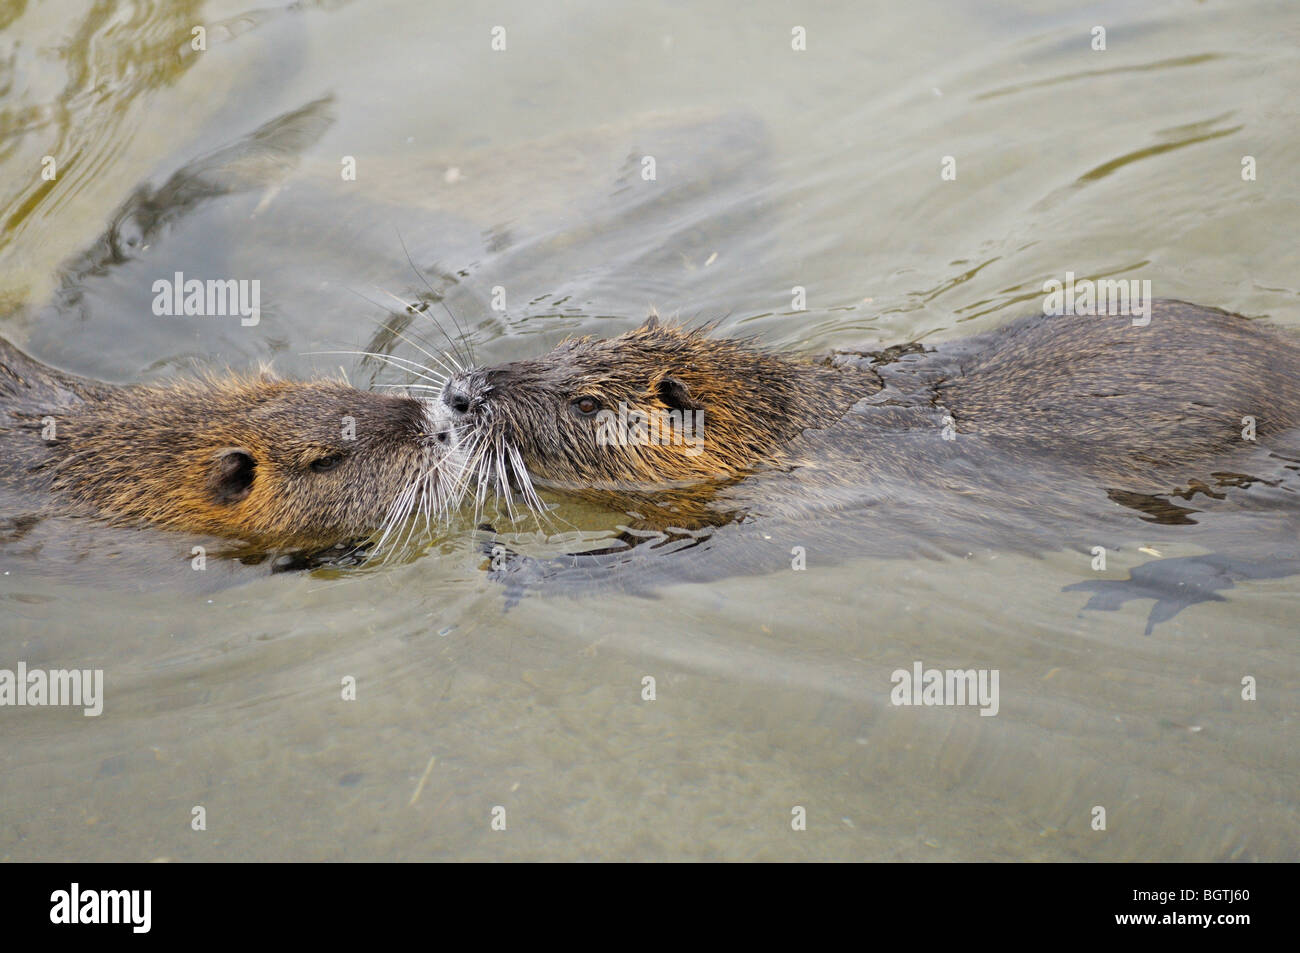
[278,464]
[1132,408]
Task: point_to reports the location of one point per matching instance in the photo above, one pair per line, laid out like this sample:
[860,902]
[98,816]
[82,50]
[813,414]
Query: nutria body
[277,464]
[1002,420]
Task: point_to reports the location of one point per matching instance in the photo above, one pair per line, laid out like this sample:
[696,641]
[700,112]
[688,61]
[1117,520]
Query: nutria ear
[231,476]
[676,395]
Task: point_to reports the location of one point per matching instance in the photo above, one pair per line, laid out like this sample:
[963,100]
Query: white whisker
[411,367]
[407,305]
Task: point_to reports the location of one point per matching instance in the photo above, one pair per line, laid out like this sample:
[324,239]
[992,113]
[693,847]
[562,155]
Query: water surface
[520,169]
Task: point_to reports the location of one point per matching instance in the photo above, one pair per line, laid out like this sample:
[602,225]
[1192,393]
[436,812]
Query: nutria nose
[455,398]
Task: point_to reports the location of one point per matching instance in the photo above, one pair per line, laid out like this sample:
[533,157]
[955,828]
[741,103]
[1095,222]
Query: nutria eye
[586,406]
[325,464]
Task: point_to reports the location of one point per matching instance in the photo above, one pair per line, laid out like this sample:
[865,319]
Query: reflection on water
[522,170]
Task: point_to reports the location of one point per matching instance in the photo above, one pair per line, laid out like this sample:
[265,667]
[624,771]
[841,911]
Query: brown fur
[225,455]
[1126,406]
[753,404]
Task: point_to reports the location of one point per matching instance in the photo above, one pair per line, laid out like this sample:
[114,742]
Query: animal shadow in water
[1178,582]
[1173,583]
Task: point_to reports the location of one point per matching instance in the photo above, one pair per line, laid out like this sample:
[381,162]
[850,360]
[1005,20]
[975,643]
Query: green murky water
[520,169]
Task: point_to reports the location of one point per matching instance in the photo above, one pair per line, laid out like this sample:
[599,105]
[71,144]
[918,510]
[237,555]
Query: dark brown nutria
[278,464]
[1132,408]
[752,404]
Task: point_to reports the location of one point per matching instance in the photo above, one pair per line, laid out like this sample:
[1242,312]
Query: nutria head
[281,464]
[654,409]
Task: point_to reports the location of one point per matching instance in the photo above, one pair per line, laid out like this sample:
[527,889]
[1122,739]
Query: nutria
[1039,433]
[278,464]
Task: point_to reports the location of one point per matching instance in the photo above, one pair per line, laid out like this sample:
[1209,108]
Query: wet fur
[177,454]
[1134,407]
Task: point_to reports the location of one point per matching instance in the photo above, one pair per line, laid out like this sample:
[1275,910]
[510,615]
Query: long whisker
[469,343]
[419,370]
[438,296]
[412,364]
[408,306]
[394,516]
[526,488]
[458,483]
